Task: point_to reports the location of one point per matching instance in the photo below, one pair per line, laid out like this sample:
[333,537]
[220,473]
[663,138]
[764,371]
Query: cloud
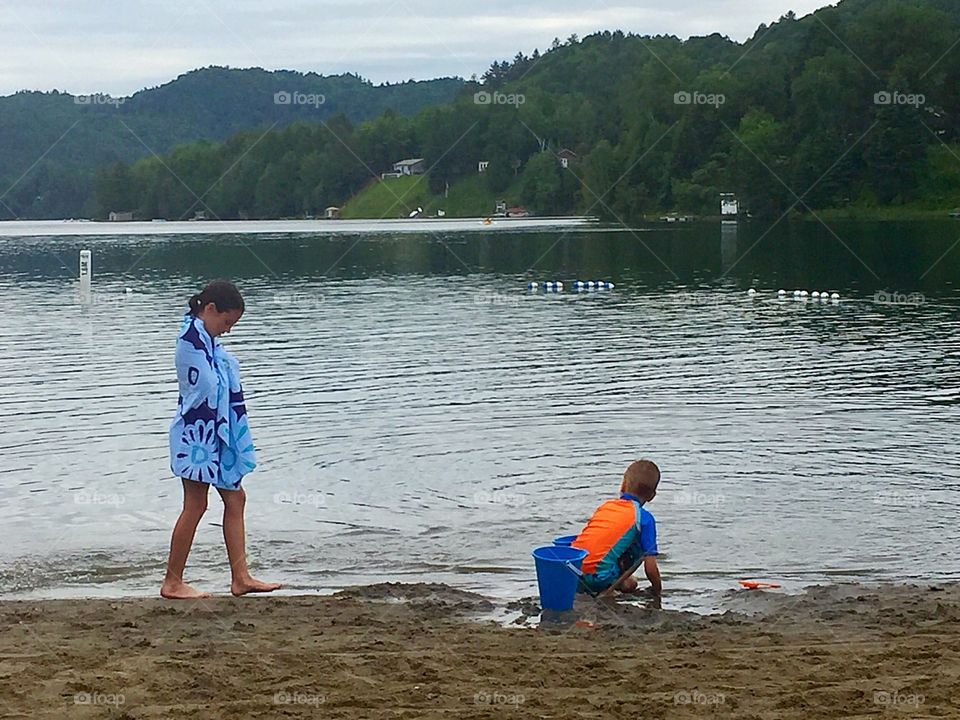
[119,47]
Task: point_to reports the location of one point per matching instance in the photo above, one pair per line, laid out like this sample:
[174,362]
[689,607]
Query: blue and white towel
[210,439]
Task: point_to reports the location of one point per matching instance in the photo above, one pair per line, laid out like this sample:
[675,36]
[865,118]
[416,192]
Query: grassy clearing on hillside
[468,198]
[472,198]
[389,198]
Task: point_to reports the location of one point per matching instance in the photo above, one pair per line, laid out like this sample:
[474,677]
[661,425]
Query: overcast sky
[121,46]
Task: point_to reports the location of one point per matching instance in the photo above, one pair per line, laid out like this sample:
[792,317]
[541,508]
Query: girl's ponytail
[221,293]
[195,303]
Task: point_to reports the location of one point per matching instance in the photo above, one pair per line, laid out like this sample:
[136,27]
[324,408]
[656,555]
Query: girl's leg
[234,535]
[194,505]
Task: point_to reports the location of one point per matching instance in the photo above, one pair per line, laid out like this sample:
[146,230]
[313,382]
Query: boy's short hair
[641,478]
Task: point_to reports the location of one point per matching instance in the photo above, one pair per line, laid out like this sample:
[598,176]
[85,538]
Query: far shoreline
[91,228]
[881,214]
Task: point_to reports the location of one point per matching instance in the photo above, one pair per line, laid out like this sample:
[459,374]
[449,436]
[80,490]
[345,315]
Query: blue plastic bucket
[565,540]
[558,570]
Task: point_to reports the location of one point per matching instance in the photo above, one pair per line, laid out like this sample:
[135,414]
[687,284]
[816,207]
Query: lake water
[420,415]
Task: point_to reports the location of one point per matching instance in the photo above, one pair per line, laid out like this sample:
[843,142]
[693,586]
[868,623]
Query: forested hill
[855,105]
[85,133]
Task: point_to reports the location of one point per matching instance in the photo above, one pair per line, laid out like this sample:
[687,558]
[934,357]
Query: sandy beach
[426,651]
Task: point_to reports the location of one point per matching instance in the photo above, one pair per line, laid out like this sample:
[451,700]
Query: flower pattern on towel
[198,458]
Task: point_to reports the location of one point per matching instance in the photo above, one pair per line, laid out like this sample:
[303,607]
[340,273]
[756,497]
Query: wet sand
[422,651]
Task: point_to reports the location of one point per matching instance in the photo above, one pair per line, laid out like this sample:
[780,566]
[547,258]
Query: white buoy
[835,296]
[533,286]
[751,292]
[610,286]
[815,295]
[781,293]
[559,285]
[589,284]
[86,274]
[796,293]
[548,285]
[128,291]
[804,293]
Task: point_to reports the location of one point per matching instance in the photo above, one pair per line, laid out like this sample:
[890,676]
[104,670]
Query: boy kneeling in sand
[621,534]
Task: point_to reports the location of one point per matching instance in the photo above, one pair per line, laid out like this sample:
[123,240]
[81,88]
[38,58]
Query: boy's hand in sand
[652,571]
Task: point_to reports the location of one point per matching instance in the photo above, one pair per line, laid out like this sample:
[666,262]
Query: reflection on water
[420,416]
[728,245]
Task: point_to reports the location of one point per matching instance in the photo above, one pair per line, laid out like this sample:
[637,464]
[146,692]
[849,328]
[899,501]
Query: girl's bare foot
[179,590]
[249,585]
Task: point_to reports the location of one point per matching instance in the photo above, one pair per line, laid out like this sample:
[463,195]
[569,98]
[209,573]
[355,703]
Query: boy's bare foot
[179,590]
[243,587]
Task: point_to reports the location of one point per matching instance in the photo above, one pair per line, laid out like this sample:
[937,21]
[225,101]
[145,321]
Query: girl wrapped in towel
[210,442]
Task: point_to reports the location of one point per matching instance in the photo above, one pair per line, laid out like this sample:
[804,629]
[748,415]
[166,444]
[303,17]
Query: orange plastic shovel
[755,585]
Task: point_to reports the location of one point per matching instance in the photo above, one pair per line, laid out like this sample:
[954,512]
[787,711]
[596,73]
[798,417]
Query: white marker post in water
[86,271]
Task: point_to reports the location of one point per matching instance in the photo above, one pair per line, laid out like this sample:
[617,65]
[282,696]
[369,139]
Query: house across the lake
[566,156]
[413,166]
[482,166]
[331,213]
[120,216]
[729,206]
